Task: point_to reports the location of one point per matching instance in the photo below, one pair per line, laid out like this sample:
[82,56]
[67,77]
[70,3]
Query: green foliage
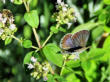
[27,43]
[73,64]
[87,26]
[107,2]
[27,31]
[72,78]
[18,2]
[53,78]
[28,57]
[51,53]
[8,40]
[54,29]
[94,63]
[32,18]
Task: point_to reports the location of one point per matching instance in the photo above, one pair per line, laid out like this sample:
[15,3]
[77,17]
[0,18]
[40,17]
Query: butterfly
[75,43]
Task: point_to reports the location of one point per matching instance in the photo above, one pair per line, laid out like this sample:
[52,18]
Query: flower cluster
[65,14]
[7,27]
[4,1]
[39,69]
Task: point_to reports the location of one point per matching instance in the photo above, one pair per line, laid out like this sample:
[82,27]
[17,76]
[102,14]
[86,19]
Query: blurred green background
[93,15]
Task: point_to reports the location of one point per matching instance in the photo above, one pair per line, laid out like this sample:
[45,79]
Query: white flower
[64,8]
[0,15]
[59,1]
[12,1]
[12,27]
[4,1]
[1,31]
[45,78]
[45,68]
[11,20]
[30,66]
[69,25]
[33,59]
[76,55]
[4,20]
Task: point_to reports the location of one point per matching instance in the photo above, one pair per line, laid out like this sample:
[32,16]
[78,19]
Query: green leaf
[73,64]
[62,29]
[106,45]
[72,78]
[97,32]
[59,78]
[51,53]
[89,68]
[27,58]
[33,4]
[27,43]
[107,2]
[8,41]
[87,26]
[27,31]
[53,29]
[102,17]
[96,54]
[18,2]
[106,28]
[32,18]
[50,78]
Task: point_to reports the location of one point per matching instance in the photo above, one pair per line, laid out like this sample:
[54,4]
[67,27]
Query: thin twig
[16,39]
[34,47]
[27,7]
[35,33]
[37,37]
[51,69]
[21,42]
[50,36]
[47,39]
[65,58]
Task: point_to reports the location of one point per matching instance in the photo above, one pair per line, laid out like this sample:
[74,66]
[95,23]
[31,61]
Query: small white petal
[0,15]
[12,27]
[76,55]
[30,66]
[11,20]
[62,4]
[4,20]
[33,59]
[1,31]
[45,68]
[64,9]
[59,1]
[69,25]
[45,78]
[12,1]
[4,1]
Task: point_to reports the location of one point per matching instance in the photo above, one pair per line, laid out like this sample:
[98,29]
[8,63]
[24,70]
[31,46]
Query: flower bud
[30,66]
[33,59]
[1,31]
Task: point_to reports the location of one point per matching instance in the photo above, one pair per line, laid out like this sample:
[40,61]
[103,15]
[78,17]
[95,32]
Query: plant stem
[51,70]
[63,65]
[37,37]
[26,6]
[50,36]
[16,39]
[35,33]
[21,42]
[34,47]
[47,39]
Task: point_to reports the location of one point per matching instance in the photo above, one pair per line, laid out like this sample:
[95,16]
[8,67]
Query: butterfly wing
[80,38]
[66,42]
